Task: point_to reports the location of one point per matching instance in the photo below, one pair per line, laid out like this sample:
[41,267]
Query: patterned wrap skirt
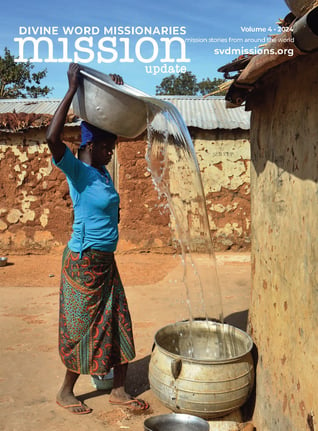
[95,329]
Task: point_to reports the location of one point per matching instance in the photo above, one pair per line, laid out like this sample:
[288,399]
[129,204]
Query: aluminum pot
[175,422]
[202,368]
[119,109]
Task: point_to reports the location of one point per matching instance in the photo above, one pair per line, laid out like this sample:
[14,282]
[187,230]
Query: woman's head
[97,143]
[91,133]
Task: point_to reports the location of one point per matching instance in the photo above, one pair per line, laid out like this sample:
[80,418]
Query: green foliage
[207,86]
[17,79]
[186,84]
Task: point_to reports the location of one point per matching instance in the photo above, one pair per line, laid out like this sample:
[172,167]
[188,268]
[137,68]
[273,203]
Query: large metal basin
[202,368]
[119,109]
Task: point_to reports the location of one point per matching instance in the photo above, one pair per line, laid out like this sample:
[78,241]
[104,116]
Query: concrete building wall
[36,213]
[284,194]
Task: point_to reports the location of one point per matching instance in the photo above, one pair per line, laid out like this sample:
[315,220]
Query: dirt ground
[30,368]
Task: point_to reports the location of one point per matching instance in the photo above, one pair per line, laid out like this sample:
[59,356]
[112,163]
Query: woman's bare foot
[66,398]
[120,397]
[71,403]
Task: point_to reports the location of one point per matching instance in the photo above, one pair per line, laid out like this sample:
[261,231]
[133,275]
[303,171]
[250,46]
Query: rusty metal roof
[209,113]
[18,115]
[204,113]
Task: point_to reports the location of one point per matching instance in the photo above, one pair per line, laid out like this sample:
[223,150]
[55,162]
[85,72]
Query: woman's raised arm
[55,129]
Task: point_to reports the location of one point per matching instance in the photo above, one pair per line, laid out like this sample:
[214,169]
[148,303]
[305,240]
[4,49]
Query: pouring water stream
[175,171]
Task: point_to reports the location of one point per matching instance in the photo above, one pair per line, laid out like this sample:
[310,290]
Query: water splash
[175,172]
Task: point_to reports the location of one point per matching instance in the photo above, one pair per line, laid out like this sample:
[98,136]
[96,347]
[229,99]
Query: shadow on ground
[136,383]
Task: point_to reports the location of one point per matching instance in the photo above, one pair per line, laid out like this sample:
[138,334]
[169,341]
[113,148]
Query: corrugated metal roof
[204,113]
[29,106]
[209,113]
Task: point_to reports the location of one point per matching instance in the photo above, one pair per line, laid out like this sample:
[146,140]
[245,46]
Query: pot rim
[249,344]
[185,416]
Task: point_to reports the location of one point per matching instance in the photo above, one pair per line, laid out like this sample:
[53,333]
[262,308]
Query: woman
[95,332]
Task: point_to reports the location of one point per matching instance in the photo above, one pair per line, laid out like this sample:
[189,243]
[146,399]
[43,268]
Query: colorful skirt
[95,330]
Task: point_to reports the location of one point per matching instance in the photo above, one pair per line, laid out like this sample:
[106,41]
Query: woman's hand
[73,75]
[117,79]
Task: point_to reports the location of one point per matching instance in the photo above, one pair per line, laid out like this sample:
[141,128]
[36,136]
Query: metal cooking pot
[175,422]
[202,368]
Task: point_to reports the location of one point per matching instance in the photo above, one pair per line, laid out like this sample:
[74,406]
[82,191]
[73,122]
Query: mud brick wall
[36,211]
[224,160]
[144,219]
[284,307]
